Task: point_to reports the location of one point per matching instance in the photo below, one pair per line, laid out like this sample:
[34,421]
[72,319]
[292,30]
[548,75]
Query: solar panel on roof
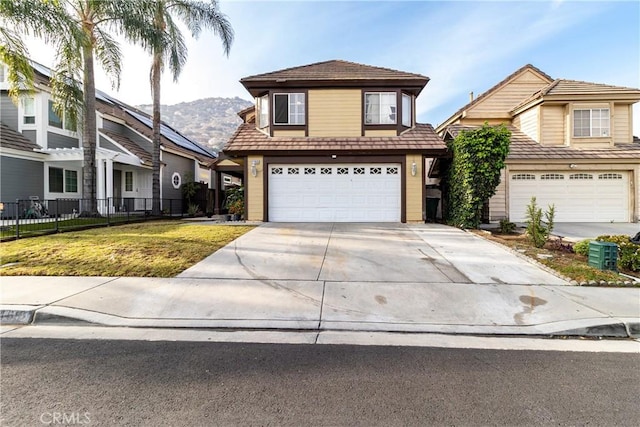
[172,135]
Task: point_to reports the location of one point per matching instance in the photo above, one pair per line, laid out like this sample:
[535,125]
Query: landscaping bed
[559,256]
[151,249]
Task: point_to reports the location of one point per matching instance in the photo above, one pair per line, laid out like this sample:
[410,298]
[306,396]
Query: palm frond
[15,55]
[109,56]
[197,15]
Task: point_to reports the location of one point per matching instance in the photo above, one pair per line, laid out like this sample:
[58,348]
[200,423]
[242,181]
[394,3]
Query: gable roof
[522,147]
[334,73]
[10,138]
[493,89]
[129,145]
[564,87]
[422,138]
[170,137]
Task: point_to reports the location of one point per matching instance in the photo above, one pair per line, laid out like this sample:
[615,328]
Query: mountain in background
[209,121]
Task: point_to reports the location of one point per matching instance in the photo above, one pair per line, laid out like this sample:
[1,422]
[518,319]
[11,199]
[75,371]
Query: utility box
[603,255]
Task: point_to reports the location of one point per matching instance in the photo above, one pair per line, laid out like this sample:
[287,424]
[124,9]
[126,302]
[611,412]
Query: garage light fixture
[573,166]
[414,169]
[254,167]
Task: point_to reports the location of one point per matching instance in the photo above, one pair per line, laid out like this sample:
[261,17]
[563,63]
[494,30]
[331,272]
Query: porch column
[109,186]
[100,185]
[216,192]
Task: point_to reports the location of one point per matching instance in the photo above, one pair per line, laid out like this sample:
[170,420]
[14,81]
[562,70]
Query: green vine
[478,157]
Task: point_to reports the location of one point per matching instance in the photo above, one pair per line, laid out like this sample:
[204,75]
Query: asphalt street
[87,382]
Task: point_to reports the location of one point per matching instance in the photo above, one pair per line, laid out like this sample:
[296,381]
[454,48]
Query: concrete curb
[64,316]
[18,314]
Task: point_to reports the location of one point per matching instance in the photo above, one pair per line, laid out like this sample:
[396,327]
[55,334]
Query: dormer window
[58,122]
[380,108]
[289,108]
[592,122]
[406,110]
[263,111]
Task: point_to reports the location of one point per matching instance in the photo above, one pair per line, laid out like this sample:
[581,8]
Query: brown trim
[282,126]
[424,190]
[435,152]
[401,159]
[397,126]
[244,183]
[414,86]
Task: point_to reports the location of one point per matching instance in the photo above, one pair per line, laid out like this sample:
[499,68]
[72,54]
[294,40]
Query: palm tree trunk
[155,92]
[89,134]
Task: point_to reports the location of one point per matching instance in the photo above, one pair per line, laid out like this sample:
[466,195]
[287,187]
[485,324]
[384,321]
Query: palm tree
[81,35]
[169,48]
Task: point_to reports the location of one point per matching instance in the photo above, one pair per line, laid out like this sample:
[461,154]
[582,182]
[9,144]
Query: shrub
[582,247]
[538,230]
[628,252]
[193,209]
[474,174]
[506,226]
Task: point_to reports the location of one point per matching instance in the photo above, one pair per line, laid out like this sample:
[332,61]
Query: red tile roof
[523,147]
[248,139]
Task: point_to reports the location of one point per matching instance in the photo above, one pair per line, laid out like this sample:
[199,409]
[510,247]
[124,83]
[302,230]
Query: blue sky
[461,46]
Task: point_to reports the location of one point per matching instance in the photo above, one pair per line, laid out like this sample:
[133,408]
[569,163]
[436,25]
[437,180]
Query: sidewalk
[451,308]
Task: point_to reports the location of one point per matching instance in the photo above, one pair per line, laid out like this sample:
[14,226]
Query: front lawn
[555,255]
[151,249]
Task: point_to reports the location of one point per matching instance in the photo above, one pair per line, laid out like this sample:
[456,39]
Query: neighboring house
[41,153]
[572,146]
[333,141]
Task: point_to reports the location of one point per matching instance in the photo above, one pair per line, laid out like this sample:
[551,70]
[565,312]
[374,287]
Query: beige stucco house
[572,146]
[333,141]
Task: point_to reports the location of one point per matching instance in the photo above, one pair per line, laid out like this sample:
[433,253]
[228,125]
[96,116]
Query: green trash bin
[603,255]
[432,208]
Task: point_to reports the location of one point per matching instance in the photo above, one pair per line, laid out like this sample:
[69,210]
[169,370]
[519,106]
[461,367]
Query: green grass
[150,249]
[27,228]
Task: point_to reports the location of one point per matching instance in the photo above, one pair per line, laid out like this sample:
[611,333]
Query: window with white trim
[289,108]
[63,180]
[263,110]
[59,122]
[523,177]
[380,108]
[406,110]
[176,180]
[29,110]
[128,181]
[552,176]
[592,122]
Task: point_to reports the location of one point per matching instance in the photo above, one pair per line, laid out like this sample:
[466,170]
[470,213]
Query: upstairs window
[380,108]
[406,110]
[59,122]
[263,111]
[593,122]
[28,110]
[289,108]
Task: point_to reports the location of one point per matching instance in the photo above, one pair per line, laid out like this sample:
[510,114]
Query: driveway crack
[326,249]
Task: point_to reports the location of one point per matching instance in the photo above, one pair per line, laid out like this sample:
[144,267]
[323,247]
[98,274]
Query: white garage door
[335,193]
[578,197]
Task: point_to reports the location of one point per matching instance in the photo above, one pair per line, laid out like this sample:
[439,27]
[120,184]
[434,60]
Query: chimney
[470,96]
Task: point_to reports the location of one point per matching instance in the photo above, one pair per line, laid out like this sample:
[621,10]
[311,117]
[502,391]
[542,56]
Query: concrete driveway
[389,253]
[576,231]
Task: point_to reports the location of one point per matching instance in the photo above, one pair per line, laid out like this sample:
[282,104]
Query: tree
[474,174]
[80,35]
[169,48]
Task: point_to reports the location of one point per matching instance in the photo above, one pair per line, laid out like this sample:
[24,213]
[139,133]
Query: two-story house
[41,153]
[572,146]
[334,141]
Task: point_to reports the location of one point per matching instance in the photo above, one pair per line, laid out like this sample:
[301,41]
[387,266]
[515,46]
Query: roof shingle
[248,139]
[523,147]
[9,138]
